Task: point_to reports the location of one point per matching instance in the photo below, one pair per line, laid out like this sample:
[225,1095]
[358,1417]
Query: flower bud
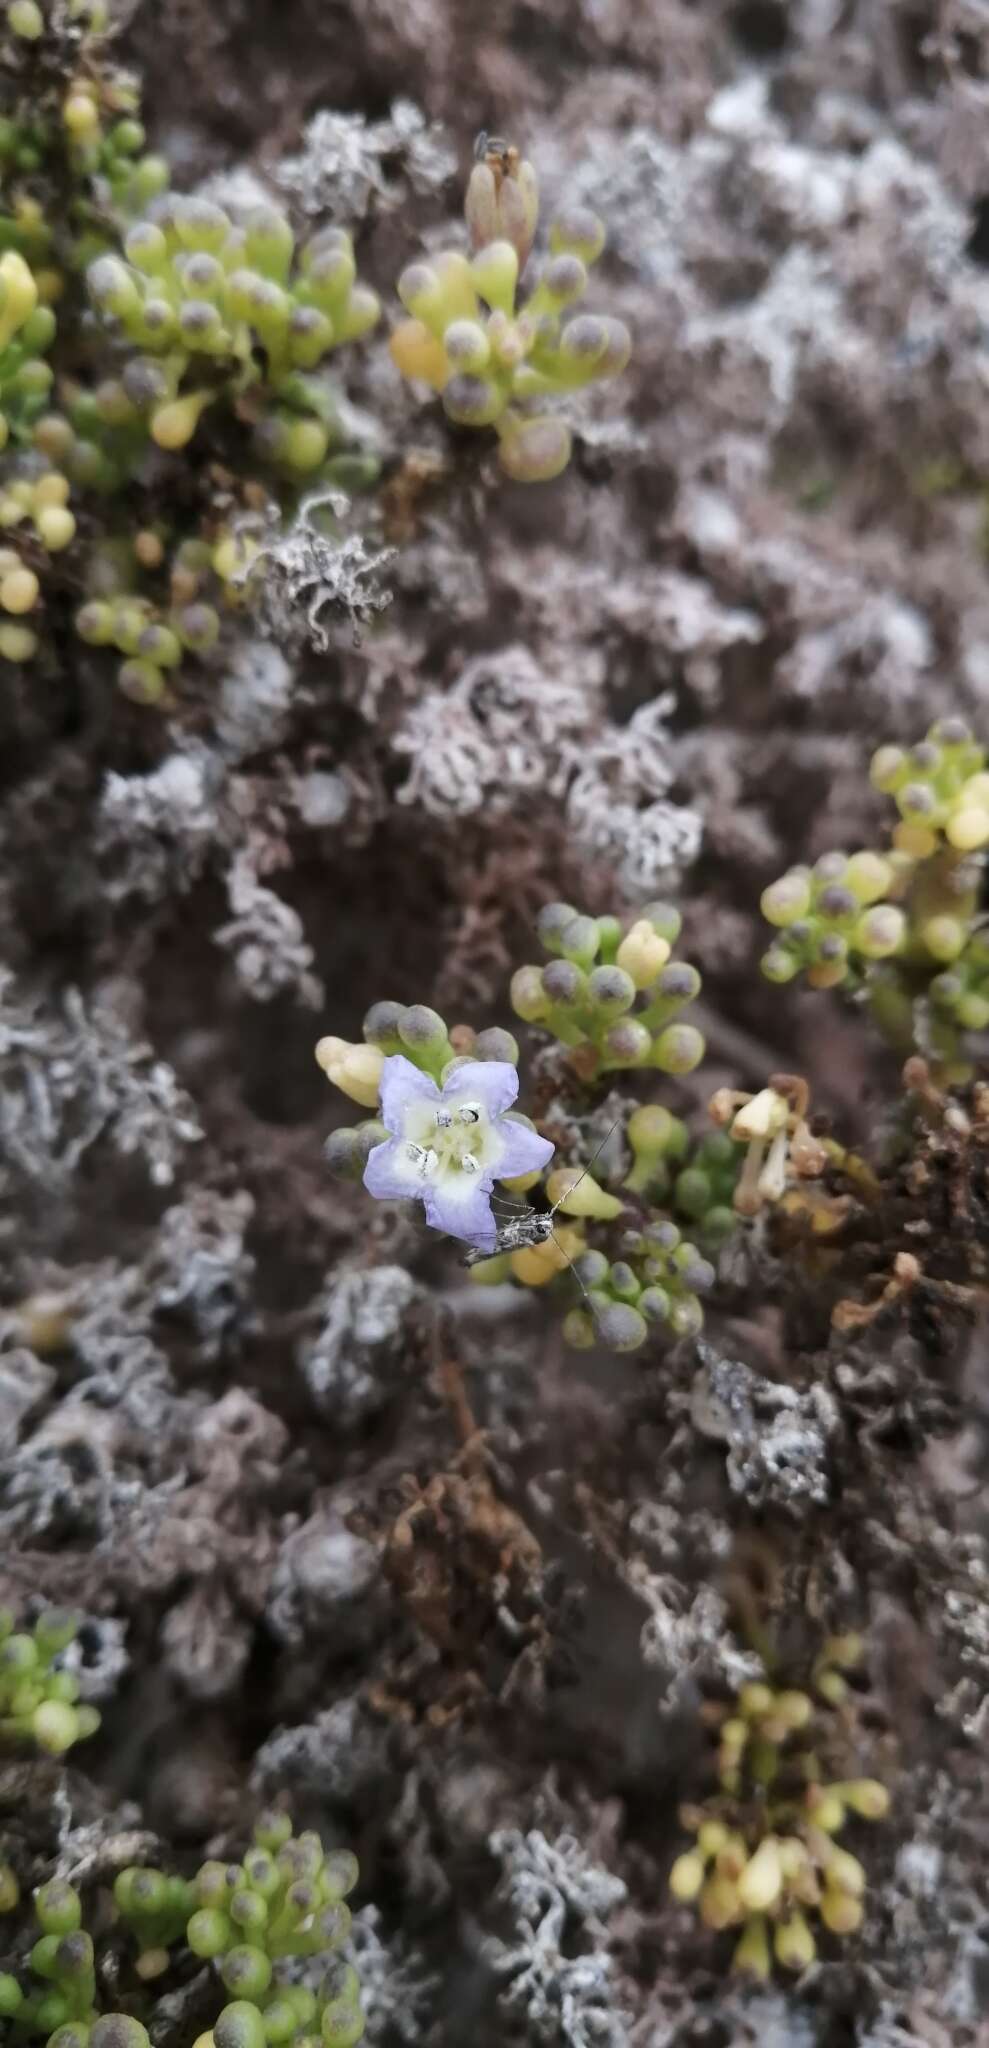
[786,900]
[752,1952]
[620,1326]
[240,2025]
[643,953]
[687,1876]
[354,1069]
[534,451]
[579,231]
[246,1972]
[610,989]
[577,1193]
[527,995]
[866,1797]
[678,1049]
[627,1043]
[761,1881]
[794,1943]
[494,274]
[472,401]
[880,932]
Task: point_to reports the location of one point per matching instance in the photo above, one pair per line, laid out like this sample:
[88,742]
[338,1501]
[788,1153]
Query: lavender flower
[449,1145]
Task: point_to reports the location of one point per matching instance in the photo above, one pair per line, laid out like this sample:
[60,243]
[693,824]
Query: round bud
[534,451]
[11,1995]
[835,901]
[118,2030]
[198,627]
[240,2025]
[74,1955]
[246,1972]
[620,1326]
[868,876]
[565,279]
[678,1049]
[55,1727]
[778,965]
[422,1029]
[579,230]
[787,899]
[141,681]
[563,983]
[881,931]
[472,401]
[467,346]
[627,1043]
[496,1044]
[19,591]
[209,1933]
[58,1907]
[591,1268]
[654,1303]
[944,937]
[552,922]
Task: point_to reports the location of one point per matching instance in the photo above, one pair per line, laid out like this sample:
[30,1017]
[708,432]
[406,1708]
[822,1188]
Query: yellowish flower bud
[794,1943]
[762,1879]
[761,1117]
[840,1912]
[827,1812]
[578,1194]
[173,424]
[354,1069]
[19,591]
[687,1876]
[752,1952]
[794,1708]
[720,1905]
[866,1797]
[642,953]
[968,829]
[56,527]
[711,1836]
[755,1700]
[845,1873]
[18,297]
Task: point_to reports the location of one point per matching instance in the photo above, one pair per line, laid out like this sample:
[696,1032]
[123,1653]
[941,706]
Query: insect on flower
[448,1145]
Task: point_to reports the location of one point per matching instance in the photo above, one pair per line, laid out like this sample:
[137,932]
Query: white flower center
[453,1137]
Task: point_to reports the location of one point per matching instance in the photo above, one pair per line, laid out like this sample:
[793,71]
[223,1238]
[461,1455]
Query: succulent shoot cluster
[207,310]
[904,928]
[611,996]
[285,1900]
[154,610]
[765,1857]
[495,362]
[614,995]
[39,1699]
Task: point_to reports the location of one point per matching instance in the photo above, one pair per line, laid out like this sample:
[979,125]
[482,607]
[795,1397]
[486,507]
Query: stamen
[468,1163]
[469,1113]
[443,1119]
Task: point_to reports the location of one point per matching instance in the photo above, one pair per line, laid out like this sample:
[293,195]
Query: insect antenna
[585,1170]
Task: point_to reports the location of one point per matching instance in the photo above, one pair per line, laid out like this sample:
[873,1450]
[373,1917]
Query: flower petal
[391,1175]
[461,1206]
[523,1150]
[402,1084]
[492,1083]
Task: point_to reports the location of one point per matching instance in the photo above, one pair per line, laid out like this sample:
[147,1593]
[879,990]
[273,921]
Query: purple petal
[462,1207]
[391,1175]
[492,1083]
[402,1083]
[524,1150]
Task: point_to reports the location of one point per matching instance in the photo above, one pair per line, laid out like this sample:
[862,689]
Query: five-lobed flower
[450,1143]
